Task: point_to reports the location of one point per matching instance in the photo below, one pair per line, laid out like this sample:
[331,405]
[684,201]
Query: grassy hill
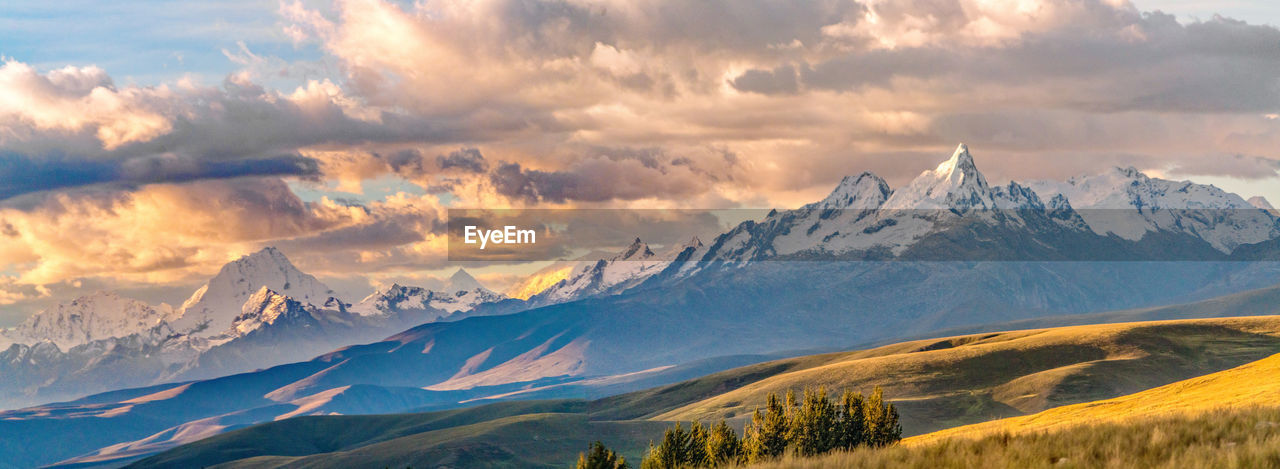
[1251,385]
[1240,437]
[513,434]
[1225,419]
[937,384]
[943,383]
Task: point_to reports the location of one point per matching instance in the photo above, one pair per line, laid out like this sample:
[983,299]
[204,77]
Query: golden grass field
[1225,419]
[1252,385]
[950,382]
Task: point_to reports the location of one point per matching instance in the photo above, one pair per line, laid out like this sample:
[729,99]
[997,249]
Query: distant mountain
[461,293]
[103,341]
[1261,202]
[213,307]
[1129,204]
[624,270]
[102,315]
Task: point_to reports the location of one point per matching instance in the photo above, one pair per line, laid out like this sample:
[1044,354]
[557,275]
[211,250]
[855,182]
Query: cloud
[21,174]
[160,233]
[77,99]
[571,104]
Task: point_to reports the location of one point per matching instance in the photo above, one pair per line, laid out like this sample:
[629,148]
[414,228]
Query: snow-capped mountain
[266,308]
[623,270]
[863,217]
[212,309]
[461,292]
[101,315]
[1261,202]
[1129,204]
[258,311]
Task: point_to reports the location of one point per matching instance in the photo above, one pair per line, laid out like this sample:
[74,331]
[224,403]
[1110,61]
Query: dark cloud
[780,80]
[468,159]
[1117,62]
[21,174]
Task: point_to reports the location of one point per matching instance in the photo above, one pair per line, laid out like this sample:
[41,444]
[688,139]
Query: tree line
[809,426]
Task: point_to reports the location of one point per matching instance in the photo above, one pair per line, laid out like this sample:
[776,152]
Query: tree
[599,457]
[679,449]
[695,454]
[767,435]
[813,424]
[852,430]
[723,446]
[881,420]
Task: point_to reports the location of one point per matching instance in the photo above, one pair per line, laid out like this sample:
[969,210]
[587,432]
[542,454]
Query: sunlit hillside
[949,382]
[1225,419]
[539,281]
[1253,384]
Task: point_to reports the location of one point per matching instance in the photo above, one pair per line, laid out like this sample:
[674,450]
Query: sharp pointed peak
[461,280]
[961,160]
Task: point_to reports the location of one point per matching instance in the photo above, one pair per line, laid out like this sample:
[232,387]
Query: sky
[143,144]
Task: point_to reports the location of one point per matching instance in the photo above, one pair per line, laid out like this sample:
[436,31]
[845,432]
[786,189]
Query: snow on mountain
[397,298]
[98,316]
[462,281]
[954,184]
[212,309]
[1261,202]
[461,292]
[862,214]
[1109,201]
[625,269]
[266,307]
[864,191]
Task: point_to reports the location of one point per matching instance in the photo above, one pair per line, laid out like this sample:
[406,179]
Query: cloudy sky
[143,144]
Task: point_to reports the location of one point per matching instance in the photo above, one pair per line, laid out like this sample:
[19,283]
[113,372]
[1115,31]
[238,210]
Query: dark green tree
[813,424]
[600,457]
[696,451]
[679,449]
[723,446]
[852,430]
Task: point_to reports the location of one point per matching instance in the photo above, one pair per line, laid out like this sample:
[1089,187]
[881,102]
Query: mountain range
[866,264]
[258,311]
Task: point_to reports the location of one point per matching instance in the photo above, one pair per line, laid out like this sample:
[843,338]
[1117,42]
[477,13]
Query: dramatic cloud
[598,103]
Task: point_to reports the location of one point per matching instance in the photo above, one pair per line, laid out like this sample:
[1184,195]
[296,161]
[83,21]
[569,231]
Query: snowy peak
[864,191]
[102,315]
[1128,203]
[960,169]
[213,307]
[400,299]
[265,307]
[637,251]
[1261,203]
[462,281]
[956,184]
[627,268]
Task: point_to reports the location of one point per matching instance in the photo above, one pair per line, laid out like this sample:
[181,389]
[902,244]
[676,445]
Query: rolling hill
[1247,386]
[936,383]
[1223,419]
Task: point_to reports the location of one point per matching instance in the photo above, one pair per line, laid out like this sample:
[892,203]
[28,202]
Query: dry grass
[956,381]
[1253,384]
[1246,437]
